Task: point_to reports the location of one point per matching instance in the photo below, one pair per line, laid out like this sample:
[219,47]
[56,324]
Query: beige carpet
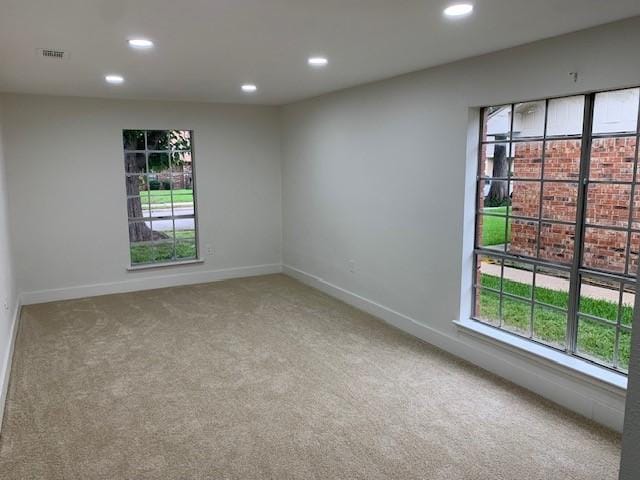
[265,378]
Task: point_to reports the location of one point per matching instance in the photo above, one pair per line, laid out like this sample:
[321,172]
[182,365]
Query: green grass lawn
[493,231]
[164,196]
[594,339]
[185,249]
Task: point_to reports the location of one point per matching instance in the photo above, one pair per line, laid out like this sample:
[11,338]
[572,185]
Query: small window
[160,188]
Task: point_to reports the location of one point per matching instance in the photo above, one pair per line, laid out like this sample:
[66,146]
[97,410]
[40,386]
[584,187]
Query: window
[558,222]
[161,207]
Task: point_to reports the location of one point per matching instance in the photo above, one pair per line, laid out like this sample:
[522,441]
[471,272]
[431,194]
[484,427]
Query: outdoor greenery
[185,248]
[164,196]
[493,228]
[549,325]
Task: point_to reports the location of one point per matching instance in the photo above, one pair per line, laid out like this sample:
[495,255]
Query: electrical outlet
[209,249]
[5,305]
[352,266]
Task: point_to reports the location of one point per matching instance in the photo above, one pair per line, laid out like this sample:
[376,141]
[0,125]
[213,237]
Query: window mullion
[574,279]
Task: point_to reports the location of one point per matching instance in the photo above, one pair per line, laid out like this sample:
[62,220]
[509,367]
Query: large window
[558,222]
[160,196]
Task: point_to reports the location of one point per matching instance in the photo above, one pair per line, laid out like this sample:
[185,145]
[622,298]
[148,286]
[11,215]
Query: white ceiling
[205,49]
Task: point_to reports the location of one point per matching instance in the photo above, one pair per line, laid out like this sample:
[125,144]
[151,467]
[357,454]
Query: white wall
[8,300]
[378,174]
[67,191]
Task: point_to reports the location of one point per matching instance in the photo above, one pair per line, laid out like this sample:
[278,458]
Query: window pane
[616,111]
[628,302]
[552,287]
[160,201]
[135,208]
[159,163]
[612,159]
[635,224]
[525,199]
[604,249]
[164,250]
[182,184]
[487,154]
[495,164]
[527,160]
[158,140]
[608,204]
[524,236]
[549,326]
[596,341]
[624,350]
[559,201]
[186,249]
[488,306]
[133,139]
[180,139]
[181,163]
[163,230]
[557,242]
[497,122]
[487,287]
[562,159]
[633,253]
[529,119]
[183,202]
[185,227]
[135,184]
[135,163]
[518,279]
[516,315]
[565,116]
[141,244]
[599,298]
[488,273]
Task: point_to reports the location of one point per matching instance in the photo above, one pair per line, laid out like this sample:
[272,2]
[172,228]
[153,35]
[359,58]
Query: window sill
[547,356]
[164,265]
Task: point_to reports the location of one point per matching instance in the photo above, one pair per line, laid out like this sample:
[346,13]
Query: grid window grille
[161,199]
[558,222]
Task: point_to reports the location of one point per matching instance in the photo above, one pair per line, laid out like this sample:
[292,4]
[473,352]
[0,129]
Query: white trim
[576,391]
[150,266]
[147,283]
[540,353]
[5,373]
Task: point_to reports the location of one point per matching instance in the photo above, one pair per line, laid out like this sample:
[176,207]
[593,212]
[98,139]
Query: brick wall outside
[607,204]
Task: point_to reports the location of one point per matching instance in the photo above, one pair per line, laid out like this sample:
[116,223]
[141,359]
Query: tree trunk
[499,190]
[138,232]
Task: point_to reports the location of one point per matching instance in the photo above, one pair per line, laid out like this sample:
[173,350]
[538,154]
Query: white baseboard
[5,372]
[600,403]
[147,283]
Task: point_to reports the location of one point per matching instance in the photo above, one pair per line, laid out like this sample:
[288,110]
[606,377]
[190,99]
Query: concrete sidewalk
[556,283]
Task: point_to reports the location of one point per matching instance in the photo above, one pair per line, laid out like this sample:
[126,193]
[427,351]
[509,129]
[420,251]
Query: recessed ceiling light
[114,79]
[458,10]
[318,61]
[140,43]
[249,88]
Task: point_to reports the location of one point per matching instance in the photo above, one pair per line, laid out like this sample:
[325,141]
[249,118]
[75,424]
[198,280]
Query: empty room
[304,239]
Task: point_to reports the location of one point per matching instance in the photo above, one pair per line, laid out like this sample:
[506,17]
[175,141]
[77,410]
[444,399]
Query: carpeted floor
[265,378]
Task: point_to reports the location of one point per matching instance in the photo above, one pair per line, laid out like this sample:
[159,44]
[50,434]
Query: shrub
[154,185]
[166,185]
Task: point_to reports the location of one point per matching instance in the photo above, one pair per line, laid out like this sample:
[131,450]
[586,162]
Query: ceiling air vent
[52,53]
